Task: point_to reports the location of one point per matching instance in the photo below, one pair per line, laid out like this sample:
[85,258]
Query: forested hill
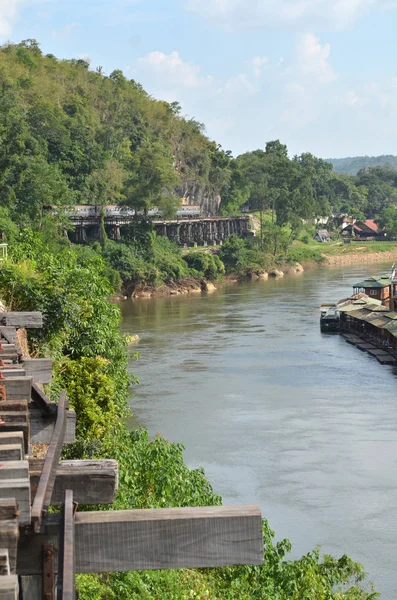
[352,165]
[71,135]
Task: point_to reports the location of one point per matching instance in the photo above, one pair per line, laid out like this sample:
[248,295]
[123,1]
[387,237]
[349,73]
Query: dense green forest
[353,164]
[72,135]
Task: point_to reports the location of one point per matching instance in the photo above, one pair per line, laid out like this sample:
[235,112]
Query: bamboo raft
[41,552]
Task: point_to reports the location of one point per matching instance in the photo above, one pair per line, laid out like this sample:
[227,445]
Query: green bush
[92,393]
[206,264]
[244,256]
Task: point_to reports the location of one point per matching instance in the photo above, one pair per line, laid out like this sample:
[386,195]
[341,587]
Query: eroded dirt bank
[360,258]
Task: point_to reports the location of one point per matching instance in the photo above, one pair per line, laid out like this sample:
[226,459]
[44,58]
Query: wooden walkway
[41,552]
[382,356]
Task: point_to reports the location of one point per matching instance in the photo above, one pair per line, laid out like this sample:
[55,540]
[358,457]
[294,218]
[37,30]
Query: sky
[320,75]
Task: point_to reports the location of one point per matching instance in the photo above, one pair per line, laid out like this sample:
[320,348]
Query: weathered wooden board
[92,481]
[155,539]
[13,416]
[11,452]
[67,568]
[9,588]
[9,530]
[41,427]
[14,469]
[18,388]
[15,427]
[11,437]
[32,587]
[4,562]
[42,402]
[9,334]
[8,355]
[12,372]
[28,320]
[14,405]
[20,490]
[39,368]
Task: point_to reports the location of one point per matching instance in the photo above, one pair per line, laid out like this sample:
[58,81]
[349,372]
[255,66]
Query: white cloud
[313,59]
[9,10]
[334,13]
[65,32]
[171,69]
[259,62]
[300,100]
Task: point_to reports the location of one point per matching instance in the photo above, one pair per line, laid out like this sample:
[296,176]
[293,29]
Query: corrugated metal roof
[369,307]
[361,314]
[378,322]
[392,327]
[373,282]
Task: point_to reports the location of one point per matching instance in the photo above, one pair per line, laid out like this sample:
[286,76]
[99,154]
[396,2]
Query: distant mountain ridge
[351,165]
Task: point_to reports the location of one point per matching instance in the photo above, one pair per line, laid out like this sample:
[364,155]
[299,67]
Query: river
[277,413]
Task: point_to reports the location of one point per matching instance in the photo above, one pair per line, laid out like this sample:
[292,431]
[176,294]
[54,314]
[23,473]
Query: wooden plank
[92,482]
[12,372]
[12,437]
[11,452]
[8,355]
[15,427]
[67,566]
[32,587]
[13,405]
[18,388]
[14,469]
[8,510]
[28,320]
[42,427]
[9,530]
[47,479]
[172,538]
[13,416]
[9,334]
[9,588]
[42,402]
[154,539]
[4,562]
[39,368]
[20,490]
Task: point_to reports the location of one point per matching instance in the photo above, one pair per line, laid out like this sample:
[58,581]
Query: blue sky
[320,75]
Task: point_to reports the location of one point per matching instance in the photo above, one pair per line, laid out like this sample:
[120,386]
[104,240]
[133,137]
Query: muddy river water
[277,413]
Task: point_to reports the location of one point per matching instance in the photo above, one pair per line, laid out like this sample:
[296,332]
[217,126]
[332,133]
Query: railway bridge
[184,232]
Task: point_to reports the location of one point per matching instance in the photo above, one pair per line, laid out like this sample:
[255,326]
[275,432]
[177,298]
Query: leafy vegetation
[352,165]
[70,135]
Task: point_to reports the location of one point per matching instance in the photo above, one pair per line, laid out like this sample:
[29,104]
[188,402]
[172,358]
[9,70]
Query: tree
[387,220]
[152,177]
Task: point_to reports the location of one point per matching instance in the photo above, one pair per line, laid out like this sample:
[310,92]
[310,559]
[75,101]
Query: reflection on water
[277,413]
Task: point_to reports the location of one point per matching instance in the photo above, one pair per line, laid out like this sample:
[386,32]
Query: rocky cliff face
[197,195]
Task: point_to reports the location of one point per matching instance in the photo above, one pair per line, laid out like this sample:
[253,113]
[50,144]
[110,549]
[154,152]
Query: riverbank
[194,285]
[360,258]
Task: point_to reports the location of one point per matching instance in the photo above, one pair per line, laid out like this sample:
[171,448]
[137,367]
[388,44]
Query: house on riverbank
[375,287]
[361,230]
